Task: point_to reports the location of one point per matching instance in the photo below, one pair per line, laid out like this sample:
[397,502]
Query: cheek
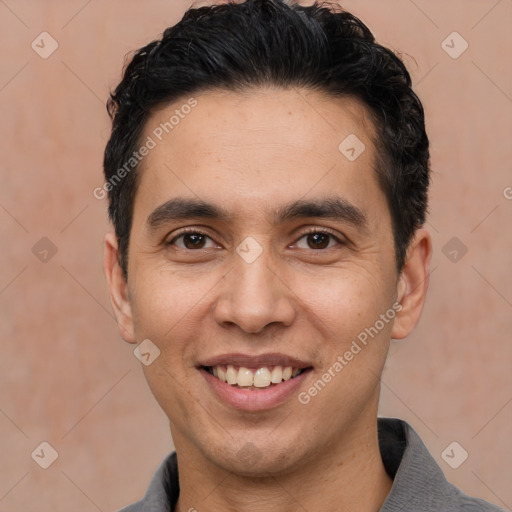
[166,309]
[164,302]
[354,346]
[344,303]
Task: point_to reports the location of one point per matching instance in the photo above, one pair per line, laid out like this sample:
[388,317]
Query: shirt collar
[414,472]
[418,481]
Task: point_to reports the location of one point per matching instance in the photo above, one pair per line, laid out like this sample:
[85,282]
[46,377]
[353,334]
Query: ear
[413,284]
[118,287]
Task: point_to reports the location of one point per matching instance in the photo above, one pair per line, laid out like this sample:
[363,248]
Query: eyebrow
[335,208]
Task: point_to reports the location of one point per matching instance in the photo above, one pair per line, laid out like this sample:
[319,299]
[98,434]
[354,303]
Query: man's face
[253,288]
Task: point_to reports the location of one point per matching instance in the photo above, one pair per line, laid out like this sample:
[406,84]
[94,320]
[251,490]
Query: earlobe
[118,288]
[413,284]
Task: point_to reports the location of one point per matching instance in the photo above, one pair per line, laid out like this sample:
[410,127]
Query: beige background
[68,379]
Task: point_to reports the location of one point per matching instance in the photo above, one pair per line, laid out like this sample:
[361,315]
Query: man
[267,174]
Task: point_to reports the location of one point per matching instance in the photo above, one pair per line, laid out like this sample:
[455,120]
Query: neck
[348,476]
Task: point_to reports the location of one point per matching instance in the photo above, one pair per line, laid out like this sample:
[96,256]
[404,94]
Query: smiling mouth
[257,378]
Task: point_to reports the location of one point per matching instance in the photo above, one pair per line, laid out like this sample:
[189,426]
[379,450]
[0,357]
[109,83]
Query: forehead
[246,150]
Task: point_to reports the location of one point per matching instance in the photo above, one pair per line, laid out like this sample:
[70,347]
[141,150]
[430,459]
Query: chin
[251,459]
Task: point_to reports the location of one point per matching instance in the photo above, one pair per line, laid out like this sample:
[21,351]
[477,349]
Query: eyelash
[311,231]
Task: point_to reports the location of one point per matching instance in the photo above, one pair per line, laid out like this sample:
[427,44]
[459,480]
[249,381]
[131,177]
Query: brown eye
[191,240]
[194,241]
[318,240]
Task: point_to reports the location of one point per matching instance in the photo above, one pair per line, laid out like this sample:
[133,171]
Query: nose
[254,296]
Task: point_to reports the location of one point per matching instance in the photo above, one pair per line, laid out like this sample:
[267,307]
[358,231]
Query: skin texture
[305,297]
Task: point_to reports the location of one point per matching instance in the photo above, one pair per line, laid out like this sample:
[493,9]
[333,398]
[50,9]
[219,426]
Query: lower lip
[257,399]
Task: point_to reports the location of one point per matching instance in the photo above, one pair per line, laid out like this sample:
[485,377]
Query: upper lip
[255,361]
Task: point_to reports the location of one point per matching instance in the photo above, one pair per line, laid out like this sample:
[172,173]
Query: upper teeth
[260,378]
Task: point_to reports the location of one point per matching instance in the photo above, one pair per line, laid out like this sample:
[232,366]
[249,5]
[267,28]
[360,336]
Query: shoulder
[162,493]
[469,504]
[419,484]
[134,507]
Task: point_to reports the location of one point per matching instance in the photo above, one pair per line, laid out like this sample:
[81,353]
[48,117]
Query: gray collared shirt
[419,484]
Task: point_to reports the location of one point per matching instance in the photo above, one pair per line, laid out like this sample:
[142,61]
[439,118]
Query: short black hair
[261,43]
